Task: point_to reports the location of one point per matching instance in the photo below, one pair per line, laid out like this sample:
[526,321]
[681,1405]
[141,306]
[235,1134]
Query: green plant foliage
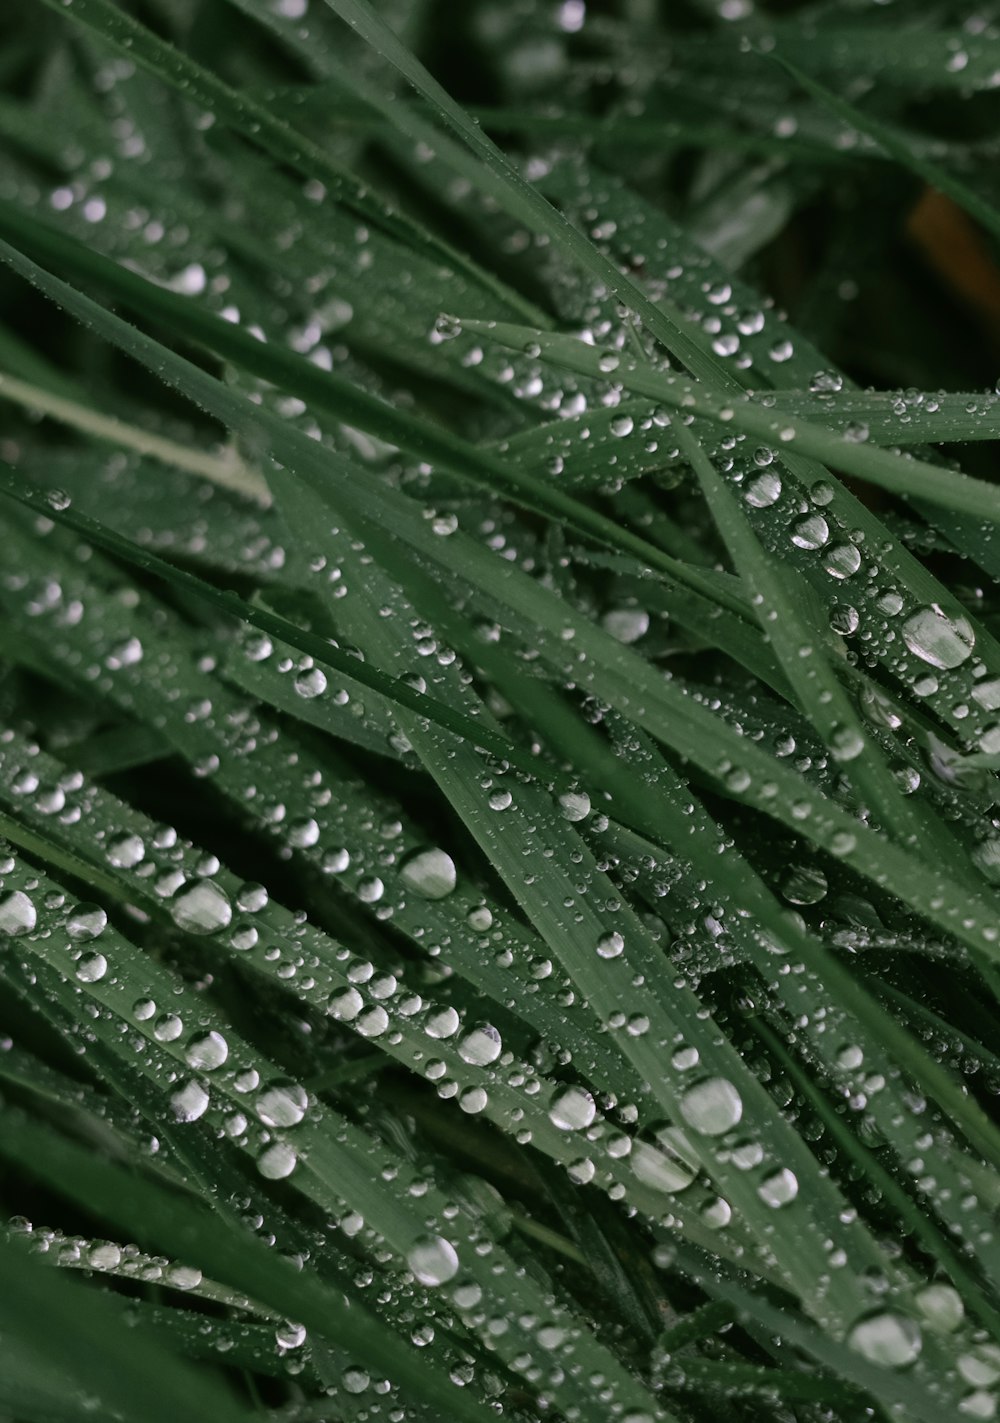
[499,711]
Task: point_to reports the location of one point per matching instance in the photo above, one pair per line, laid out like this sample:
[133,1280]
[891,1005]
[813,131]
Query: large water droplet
[91,968]
[277,1160]
[712,1106]
[442,1022]
[429,873]
[126,851]
[572,1109]
[433,1260]
[282,1103]
[763,490]
[190,1101]
[812,531]
[626,624]
[574,805]
[85,921]
[481,1045]
[779,1188]
[206,1051]
[938,639]
[17,914]
[942,1307]
[664,1160]
[202,908]
[887,1338]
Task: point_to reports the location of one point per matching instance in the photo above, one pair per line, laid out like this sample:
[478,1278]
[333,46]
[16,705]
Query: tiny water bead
[17,914]
[712,1106]
[887,1338]
[430,873]
[432,1261]
[202,908]
[938,639]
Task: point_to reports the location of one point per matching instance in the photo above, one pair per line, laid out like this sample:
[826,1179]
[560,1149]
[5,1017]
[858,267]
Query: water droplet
[251,898]
[126,851]
[281,1103]
[763,491]
[575,806]
[572,1109]
[845,620]
[886,1338]
[429,873]
[812,531]
[626,624]
[290,1335]
[190,1100]
[481,1045]
[804,884]
[842,560]
[126,654]
[104,1255]
[846,743]
[167,1028]
[311,682]
[183,1277]
[433,1260]
[304,833]
[85,921]
[712,1106]
[664,1160]
[91,968]
[779,1188]
[206,1051]
[934,637]
[941,1307]
[373,1022]
[345,1005]
[442,1022]
[610,945]
[203,908]
[987,694]
[277,1160]
[826,383]
[17,914]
